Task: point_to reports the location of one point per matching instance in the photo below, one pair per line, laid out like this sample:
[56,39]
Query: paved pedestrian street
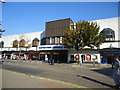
[19,80]
[25,74]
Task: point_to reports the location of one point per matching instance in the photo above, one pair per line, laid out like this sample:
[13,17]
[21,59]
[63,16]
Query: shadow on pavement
[96,81]
[105,71]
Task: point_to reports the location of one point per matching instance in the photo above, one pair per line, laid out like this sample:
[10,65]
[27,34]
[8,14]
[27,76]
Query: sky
[0,12]
[27,17]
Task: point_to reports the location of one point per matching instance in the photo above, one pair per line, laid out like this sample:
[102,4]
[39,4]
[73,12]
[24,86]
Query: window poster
[88,57]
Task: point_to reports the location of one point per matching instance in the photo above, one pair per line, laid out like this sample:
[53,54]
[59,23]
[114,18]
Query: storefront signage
[109,51]
[53,47]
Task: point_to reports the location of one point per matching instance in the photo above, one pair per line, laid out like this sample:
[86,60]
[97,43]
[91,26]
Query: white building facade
[110,48]
[8,40]
[113,24]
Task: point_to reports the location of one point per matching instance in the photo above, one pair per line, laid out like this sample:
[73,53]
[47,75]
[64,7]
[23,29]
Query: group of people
[116,72]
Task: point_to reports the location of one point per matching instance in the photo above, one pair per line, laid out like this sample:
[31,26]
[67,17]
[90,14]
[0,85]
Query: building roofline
[23,33]
[105,18]
[59,20]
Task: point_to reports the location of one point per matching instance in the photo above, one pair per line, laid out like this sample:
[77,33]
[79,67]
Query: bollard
[93,62]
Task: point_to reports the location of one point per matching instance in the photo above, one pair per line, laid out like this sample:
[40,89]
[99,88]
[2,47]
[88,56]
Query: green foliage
[83,34]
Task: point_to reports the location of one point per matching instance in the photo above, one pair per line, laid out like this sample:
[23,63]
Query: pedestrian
[116,72]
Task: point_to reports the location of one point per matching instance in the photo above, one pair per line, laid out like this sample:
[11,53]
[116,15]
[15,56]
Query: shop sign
[53,47]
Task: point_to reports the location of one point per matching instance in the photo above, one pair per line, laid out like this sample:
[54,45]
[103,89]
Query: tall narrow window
[50,40]
[61,38]
[53,40]
[56,40]
[47,40]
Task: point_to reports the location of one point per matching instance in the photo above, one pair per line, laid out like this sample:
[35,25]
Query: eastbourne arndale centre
[48,44]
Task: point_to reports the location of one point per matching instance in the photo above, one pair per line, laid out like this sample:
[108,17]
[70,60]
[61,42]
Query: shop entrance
[108,57]
[59,56]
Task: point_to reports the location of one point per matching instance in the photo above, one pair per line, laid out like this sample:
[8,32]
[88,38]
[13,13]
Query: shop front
[108,55]
[84,55]
[58,53]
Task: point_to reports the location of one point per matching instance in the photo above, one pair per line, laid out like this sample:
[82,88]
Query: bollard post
[93,62]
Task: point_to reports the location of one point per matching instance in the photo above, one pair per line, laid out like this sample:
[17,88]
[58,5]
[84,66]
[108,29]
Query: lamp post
[1,32]
[1,42]
[111,55]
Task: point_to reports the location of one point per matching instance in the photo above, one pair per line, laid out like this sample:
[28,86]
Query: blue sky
[26,17]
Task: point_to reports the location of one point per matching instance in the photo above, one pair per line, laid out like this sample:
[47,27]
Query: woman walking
[116,73]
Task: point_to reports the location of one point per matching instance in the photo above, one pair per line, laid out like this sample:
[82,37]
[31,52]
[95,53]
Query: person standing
[116,72]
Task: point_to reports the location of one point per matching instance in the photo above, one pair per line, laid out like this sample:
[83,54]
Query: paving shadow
[96,81]
[105,71]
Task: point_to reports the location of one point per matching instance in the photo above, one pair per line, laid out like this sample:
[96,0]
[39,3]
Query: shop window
[88,57]
[72,57]
[109,34]
[15,43]
[34,56]
[76,57]
[94,57]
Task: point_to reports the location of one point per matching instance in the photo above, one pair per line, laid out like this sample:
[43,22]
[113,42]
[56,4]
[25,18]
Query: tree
[15,43]
[82,34]
[22,41]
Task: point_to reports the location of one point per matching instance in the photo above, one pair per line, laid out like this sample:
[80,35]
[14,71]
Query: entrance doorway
[83,58]
[59,56]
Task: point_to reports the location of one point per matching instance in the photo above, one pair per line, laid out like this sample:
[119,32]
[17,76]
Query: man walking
[116,73]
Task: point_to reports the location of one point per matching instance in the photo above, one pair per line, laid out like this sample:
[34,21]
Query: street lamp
[1,31]
[1,42]
[111,55]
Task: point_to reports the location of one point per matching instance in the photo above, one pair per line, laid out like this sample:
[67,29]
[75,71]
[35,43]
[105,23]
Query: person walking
[116,73]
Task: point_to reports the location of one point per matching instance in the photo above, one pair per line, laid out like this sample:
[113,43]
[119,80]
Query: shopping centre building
[41,45]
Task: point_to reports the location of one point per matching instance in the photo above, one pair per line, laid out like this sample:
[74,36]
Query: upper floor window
[35,42]
[52,40]
[43,41]
[22,43]
[15,43]
[109,34]
[57,40]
